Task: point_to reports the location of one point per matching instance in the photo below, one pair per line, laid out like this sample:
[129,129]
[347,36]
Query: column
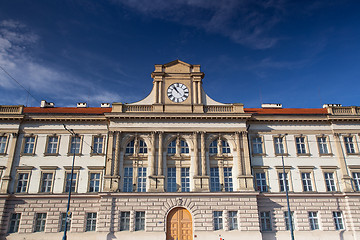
[109,162]
[117,154]
[160,159]
[156,92]
[203,155]
[245,178]
[199,92]
[238,153]
[7,175]
[152,155]
[195,96]
[160,91]
[346,179]
[247,164]
[196,154]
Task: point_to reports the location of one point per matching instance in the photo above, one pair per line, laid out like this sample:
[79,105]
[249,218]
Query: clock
[177,92]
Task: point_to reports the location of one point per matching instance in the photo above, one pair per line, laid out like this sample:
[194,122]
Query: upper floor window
[185,179]
[171,180]
[46,182]
[322,144]
[257,145]
[130,147]
[136,146]
[75,144]
[94,182]
[128,179]
[356,179]
[184,147]
[307,182]
[349,144]
[225,146]
[70,183]
[3,142]
[279,145]
[228,184]
[214,180]
[300,145]
[330,181]
[97,147]
[172,147]
[29,145]
[142,147]
[141,179]
[260,181]
[52,145]
[283,181]
[213,147]
[22,182]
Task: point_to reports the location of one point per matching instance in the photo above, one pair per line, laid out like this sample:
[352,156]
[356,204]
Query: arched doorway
[179,225]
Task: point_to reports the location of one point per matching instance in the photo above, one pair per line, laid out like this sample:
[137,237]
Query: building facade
[179,165]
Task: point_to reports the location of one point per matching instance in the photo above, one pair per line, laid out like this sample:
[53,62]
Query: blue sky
[298,53]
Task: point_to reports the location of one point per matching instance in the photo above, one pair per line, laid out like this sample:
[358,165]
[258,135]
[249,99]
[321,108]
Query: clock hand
[176,90]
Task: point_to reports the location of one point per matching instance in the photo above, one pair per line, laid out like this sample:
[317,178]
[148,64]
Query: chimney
[82,105]
[271,105]
[45,104]
[105,105]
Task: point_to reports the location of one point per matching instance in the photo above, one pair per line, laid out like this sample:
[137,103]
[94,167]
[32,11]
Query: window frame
[173,180]
[128,223]
[218,220]
[305,143]
[103,137]
[125,176]
[185,185]
[263,221]
[173,148]
[47,145]
[185,147]
[92,171]
[47,171]
[233,220]
[24,142]
[333,170]
[263,153]
[62,222]
[313,220]
[141,186]
[22,170]
[355,169]
[354,142]
[91,227]
[328,145]
[213,150]
[141,219]
[17,222]
[338,220]
[287,222]
[261,169]
[68,171]
[80,147]
[285,150]
[307,170]
[228,186]
[7,136]
[42,222]
[279,169]
[216,187]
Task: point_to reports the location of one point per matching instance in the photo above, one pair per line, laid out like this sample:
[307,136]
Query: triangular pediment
[177,66]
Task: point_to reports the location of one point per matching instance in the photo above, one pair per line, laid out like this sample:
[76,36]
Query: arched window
[225,147]
[213,147]
[130,148]
[172,147]
[184,147]
[142,147]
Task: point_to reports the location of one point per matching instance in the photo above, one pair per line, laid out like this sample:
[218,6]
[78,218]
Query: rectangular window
[75,145]
[124,221]
[233,225]
[171,180]
[279,145]
[139,221]
[306,181]
[91,222]
[218,220]
[94,182]
[40,221]
[128,179]
[265,221]
[46,182]
[63,221]
[300,145]
[14,222]
[338,220]
[228,179]
[322,144]
[22,182]
[356,179]
[185,179]
[281,182]
[313,220]
[261,181]
[214,180]
[349,144]
[29,145]
[98,145]
[330,182]
[3,141]
[257,145]
[141,180]
[287,223]
[70,182]
[52,146]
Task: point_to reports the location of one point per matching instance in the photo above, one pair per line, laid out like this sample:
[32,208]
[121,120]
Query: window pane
[139,221]
[323,149]
[300,145]
[172,147]
[171,180]
[225,147]
[124,221]
[356,179]
[46,182]
[218,220]
[313,220]
[22,182]
[14,222]
[52,145]
[40,221]
[184,147]
[282,180]
[306,180]
[128,179]
[94,184]
[279,146]
[142,147]
[141,184]
[213,147]
[257,145]
[98,145]
[228,179]
[75,145]
[70,182]
[265,221]
[330,182]
[233,220]
[185,179]
[214,180]
[2,144]
[91,222]
[261,182]
[29,144]
[63,221]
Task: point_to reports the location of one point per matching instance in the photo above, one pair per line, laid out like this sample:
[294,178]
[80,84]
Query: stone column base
[346,181]
[201,183]
[111,183]
[246,183]
[156,183]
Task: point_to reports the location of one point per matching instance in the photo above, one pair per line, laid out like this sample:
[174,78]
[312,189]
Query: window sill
[3,154]
[97,154]
[259,154]
[27,154]
[352,154]
[303,154]
[76,154]
[51,154]
[325,154]
[281,154]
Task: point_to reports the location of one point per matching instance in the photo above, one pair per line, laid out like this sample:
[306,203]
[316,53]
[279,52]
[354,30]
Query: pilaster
[9,166]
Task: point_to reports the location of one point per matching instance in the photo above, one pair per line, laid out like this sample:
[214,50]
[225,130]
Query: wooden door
[179,225]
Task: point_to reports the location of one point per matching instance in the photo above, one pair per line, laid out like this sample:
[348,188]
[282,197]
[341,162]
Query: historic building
[179,165]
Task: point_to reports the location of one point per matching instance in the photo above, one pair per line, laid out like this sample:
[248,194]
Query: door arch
[179,224]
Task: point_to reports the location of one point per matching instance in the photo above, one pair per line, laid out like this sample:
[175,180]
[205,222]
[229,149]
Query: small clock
[177,92]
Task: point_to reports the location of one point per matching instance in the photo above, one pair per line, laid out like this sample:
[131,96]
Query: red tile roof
[67,110]
[286,111]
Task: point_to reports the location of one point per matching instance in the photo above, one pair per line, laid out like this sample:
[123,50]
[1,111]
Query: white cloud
[16,44]
[247,22]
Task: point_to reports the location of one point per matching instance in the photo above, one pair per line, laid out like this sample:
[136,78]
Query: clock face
[177,92]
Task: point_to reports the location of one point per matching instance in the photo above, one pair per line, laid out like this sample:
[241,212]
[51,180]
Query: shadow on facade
[111,234]
[264,205]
